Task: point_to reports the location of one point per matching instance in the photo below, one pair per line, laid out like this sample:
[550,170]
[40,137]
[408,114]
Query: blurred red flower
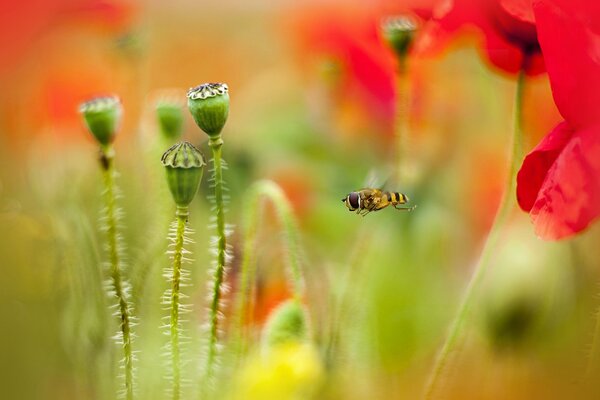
[21,22]
[364,67]
[422,8]
[559,182]
[348,38]
[507,26]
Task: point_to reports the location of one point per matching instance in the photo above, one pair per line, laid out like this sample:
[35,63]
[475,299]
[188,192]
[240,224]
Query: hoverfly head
[352,201]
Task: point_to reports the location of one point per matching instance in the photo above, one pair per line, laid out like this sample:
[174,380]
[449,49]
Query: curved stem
[504,208]
[118,282]
[182,215]
[219,272]
[285,215]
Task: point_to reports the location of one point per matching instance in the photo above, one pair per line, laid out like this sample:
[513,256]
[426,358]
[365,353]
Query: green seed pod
[102,116]
[209,105]
[399,32]
[170,119]
[184,165]
[286,324]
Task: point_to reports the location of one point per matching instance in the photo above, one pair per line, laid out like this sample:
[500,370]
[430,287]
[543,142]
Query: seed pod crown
[209,105]
[184,164]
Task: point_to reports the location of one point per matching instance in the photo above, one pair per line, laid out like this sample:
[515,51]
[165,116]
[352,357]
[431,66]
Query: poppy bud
[528,291]
[209,105]
[184,165]
[170,118]
[286,324]
[102,116]
[398,32]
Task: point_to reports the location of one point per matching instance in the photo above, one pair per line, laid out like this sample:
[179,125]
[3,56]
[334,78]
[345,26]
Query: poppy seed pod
[286,324]
[399,32]
[170,119]
[209,105]
[184,165]
[102,116]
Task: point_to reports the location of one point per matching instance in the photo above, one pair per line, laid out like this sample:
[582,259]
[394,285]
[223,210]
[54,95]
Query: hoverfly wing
[376,179]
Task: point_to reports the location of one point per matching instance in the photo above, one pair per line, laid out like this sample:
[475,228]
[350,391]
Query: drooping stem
[273,192]
[219,272]
[506,204]
[119,284]
[181,215]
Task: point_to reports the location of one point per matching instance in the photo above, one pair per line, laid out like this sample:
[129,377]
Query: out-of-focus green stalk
[594,356]
[118,284]
[506,204]
[273,192]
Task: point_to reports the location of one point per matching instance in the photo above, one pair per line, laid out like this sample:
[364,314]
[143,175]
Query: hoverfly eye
[354,200]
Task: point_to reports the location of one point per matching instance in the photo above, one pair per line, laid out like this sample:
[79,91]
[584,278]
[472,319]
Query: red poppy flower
[21,22]
[559,182]
[508,28]
[349,38]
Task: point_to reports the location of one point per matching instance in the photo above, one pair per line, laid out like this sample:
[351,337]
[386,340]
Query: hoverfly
[366,200]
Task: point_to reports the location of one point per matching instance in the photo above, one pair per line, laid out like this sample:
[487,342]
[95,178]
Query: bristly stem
[181,215]
[283,209]
[119,284]
[216,144]
[506,204]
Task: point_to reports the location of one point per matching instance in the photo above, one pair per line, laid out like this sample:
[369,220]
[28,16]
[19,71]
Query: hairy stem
[118,281]
[273,192]
[182,215]
[502,213]
[216,145]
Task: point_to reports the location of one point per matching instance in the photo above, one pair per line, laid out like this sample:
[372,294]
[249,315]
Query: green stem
[118,282]
[592,363]
[182,215]
[216,145]
[273,192]
[504,209]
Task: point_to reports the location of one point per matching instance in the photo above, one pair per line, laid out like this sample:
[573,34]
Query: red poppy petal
[507,27]
[535,64]
[518,9]
[569,35]
[502,54]
[516,21]
[569,199]
[535,167]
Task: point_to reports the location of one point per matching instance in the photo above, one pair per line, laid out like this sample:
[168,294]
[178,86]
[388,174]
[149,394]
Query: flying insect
[367,200]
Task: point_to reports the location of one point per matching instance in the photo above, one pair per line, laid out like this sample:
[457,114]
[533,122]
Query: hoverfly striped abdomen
[397,198]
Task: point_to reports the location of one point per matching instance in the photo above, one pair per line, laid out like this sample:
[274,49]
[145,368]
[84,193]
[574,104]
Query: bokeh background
[313,97]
